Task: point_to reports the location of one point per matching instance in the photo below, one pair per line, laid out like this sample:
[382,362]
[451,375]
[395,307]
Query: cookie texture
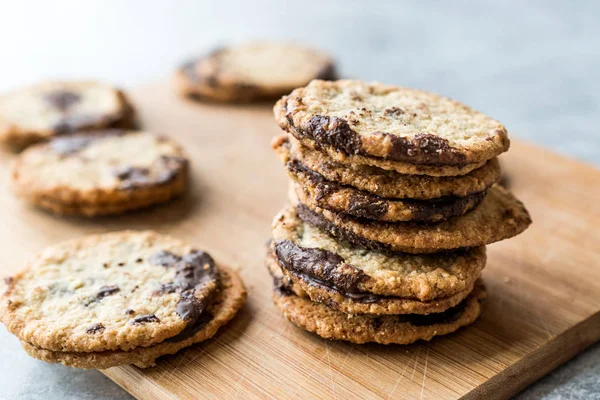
[385,183]
[385,329]
[228,301]
[115,291]
[328,293]
[254,71]
[500,216]
[100,173]
[310,253]
[396,124]
[312,190]
[47,109]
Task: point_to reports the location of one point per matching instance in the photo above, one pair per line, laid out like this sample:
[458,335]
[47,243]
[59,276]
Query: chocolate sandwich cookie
[385,329]
[254,71]
[100,173]
[384,183]
[312,190]
[227,302]
[48,109]
[118,298]
[329,292]
[499,216]
[114,291]
[313,256]
[388,125]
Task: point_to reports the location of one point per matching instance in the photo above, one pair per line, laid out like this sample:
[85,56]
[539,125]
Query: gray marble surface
[533,65]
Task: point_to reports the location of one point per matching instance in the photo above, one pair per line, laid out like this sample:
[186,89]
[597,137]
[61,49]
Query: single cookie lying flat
[255,71]
[384,183]
[314,191]
[100,173]
[500,216]
[386,329]
[44,110]
[228,301]
[333,296]
[114,292]
[312,254]
[390,123]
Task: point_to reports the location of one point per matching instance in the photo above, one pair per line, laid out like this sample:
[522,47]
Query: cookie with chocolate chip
[48,109]
[390,127]
[123,297]
[499,216]
[354,280]
[381,182]
[385,329]
[252,72]
[100,173]
[326,291]
[115,291]
[227,302]
[312,190]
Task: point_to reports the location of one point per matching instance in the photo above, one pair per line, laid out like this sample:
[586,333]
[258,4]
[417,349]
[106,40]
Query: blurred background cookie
[252,72]
[41,111]
[100,173]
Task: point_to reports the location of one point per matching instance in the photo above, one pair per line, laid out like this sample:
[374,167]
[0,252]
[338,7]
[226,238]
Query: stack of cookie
[392,203]
[118,298]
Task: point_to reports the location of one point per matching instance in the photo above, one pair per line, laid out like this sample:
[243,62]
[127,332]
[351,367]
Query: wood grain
[543,307]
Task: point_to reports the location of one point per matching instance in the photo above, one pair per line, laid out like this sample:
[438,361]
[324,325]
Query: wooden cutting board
[544,286]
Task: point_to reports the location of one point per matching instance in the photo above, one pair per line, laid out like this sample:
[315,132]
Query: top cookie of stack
[372,162]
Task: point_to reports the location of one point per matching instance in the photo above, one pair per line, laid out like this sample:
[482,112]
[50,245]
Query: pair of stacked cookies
[90,160]
[118,298]
[393,199]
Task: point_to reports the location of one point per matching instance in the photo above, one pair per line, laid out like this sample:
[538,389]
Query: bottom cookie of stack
[328,287]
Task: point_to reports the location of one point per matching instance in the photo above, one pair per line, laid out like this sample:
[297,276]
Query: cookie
[385,329]
[328,293]
[314,191]
[384,183]
[228,301]
[47,109]
[385,122]
[116,291]
[254,71]
[500,216]
[311,254]
[100,173]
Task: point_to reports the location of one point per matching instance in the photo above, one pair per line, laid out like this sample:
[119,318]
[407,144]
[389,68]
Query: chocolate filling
[369,206]
[362,297]
[315,267]
[192,271]
[316,219]
[446,317]
[320,264]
